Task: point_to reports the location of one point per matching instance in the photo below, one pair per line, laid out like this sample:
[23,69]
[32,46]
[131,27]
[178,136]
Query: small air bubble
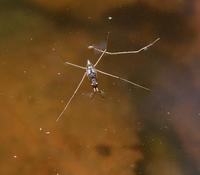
[47,132]
[90,47]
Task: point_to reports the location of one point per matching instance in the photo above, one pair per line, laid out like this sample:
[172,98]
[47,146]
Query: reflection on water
[131,131]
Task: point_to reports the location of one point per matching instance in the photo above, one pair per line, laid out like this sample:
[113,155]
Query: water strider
[91,71]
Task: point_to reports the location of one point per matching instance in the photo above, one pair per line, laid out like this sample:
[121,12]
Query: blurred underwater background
[129,132]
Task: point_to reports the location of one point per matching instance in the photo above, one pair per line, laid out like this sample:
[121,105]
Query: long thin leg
[68,63]
[101,56]
[103,51]
[71,97]
[126,52]
[114,76]
[75,65]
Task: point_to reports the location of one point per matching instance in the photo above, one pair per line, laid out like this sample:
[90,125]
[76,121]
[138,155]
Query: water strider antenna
[126,52]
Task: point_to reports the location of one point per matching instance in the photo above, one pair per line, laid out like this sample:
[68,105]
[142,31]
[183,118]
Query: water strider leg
[130,82]
[71,97]
[75,65]
[126,52]
[103,51]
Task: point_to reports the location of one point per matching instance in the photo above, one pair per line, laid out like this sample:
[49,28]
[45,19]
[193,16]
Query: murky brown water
[131,131]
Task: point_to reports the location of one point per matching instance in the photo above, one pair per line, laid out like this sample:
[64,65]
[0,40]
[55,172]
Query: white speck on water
[90,47]
[15,156]
[168,113]
[40,129]
[47,132]
[59,73]
[110,17]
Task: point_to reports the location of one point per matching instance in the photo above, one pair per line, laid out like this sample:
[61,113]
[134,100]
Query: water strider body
[91,72]
[92,75]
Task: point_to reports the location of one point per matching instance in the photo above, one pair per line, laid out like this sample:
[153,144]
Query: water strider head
[89,63]
[90,70]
